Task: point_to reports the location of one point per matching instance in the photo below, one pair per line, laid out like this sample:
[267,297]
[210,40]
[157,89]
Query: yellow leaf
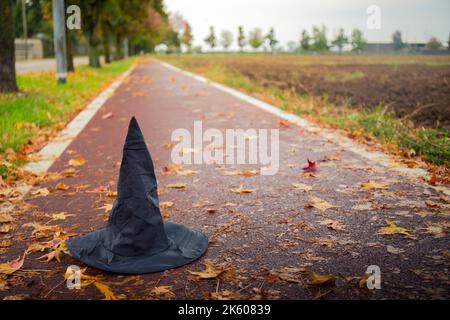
[210,271]
[392,228]
[164,291]
[107,207]
[241,189]
[166,204]
[43,192]
[178,185]
[55,254]
[39,229]
[77,161]
[61,186]
[317,279]
[373,185]
[61,216]
[106,291]
[186,172]
[319,204]
[111,194]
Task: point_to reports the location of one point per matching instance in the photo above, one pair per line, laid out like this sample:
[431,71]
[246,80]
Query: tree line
[107,28]
[315,40]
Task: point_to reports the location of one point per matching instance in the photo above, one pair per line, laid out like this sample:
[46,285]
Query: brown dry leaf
[373,185]
[61,216]
[166,204]
[186,172]
[333,224]
[222,295]
[42,192]
[165,291]
[107,207]
[394,250]
[178,185]
[210,272]
[5,228]
[5,218]
[107,115]
[439,230]
[111,194]
[11,266]
[318,280]
[301,186]
[241,190]
[55,254]
[333,157]
[40,230]
[77,161]
[168,146]
[320,204]
[61,186]
[70,172]
[5,243]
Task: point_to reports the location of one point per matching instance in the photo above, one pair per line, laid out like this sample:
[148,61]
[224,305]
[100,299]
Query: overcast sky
[417,19]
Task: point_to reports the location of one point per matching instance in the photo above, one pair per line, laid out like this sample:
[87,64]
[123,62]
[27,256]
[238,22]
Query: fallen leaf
[186,172]
[5,218]
[107,207]
[283,123]
[319,204]
[318,280]
[333,224]
[303,187]
[165,291]
[178,185]
[12,266]
[392,228]
[55,254]
[106,291]
[166,204]
[373,185]
[61,216]
[107,115]
[61,186]
[241,190]
[77,161]
[111,194]
[210,272]
[310,167]
[43,192]
[394,250]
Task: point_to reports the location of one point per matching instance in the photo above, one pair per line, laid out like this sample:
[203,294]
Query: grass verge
[397,136]
[30,117]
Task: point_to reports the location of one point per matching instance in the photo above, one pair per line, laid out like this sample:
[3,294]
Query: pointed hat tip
[134,132]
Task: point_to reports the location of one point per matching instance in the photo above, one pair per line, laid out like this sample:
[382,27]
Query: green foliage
[358,42]
[255,38]
[319,39]
[397,40]
[340,40]
[434,44]
[241,38]
[210,40]
[305,41]
[270,37]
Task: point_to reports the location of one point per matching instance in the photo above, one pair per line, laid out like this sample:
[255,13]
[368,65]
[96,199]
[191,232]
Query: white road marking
[375,157]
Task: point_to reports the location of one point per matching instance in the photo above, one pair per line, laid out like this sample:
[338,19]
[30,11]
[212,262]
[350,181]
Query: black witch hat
[136,239]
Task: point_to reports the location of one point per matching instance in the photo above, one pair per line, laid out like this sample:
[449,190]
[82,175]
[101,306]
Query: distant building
[34,46]
[388,48]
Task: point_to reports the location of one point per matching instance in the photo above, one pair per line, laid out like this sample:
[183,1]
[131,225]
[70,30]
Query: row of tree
[108,27]
[314,41]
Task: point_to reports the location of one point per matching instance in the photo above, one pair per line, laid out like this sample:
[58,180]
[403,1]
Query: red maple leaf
[311,166]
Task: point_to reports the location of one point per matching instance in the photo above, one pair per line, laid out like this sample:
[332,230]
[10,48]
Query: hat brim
[186,245]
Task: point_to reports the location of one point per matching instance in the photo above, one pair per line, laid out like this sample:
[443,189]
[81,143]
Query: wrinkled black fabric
[136,239]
